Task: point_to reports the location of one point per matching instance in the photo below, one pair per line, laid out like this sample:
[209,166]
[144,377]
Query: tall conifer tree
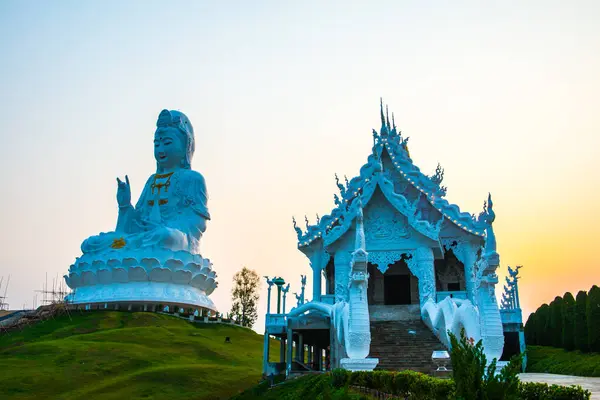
[555,330]
[593,318]
[530,332]
[568,322]
[581,328]
[542,325]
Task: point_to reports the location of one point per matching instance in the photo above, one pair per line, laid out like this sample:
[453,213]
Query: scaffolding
[3,303]
[55,295]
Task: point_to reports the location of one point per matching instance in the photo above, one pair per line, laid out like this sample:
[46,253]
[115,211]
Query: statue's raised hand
[123,192]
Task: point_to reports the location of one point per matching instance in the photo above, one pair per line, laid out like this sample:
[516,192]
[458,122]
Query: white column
[342,274]
[316,283]
[426,274]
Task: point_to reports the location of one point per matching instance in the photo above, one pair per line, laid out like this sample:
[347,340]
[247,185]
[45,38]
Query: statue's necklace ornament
[160,185]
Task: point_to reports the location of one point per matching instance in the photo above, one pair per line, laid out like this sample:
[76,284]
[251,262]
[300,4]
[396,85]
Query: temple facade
[395,266]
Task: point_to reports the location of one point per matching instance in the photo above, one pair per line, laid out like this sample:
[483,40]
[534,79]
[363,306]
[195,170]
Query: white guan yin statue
[153,255]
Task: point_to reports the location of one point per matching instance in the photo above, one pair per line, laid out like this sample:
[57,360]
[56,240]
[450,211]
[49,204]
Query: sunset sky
[282,95]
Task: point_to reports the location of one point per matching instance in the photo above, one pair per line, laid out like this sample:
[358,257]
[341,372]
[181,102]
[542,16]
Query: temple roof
[373,175]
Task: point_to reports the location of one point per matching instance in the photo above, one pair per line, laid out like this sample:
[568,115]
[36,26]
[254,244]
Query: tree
[593,318]
[555,331]
[530,333]
[568,322]
[542,325]
[581,329]
[244,296]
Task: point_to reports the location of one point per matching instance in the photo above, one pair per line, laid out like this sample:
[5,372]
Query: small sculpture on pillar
[270,283]
[300,297]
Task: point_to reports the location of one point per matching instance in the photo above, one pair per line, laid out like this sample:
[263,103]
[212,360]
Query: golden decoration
[159,186]
[161,202]
[118,243]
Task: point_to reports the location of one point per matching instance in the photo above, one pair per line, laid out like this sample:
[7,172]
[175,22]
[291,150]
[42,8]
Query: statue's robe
[173,218]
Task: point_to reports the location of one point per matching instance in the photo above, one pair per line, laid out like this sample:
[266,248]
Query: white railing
[276,320]
[455,295]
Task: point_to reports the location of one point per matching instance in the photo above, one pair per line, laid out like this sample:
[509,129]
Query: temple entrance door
[396,289]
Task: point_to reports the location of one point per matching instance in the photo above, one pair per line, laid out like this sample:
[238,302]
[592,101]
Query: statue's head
[173,141]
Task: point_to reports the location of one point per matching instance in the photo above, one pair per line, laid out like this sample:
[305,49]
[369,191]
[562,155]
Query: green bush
[476,382]
[543,391]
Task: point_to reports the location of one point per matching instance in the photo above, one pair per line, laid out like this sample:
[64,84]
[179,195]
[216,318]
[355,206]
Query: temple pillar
[342,261]
[282,350]
[425,271]
[317,290]
[300,349]
[309,355]
[290,335]
[266,352]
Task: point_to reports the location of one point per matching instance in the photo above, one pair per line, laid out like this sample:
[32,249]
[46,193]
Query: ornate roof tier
[389,142]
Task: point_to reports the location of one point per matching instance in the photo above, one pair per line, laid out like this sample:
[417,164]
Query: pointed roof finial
[387,118]
[383,126]
[393,122]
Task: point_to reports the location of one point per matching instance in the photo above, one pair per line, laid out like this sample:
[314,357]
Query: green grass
[313,387]
[559,361]
[118,355]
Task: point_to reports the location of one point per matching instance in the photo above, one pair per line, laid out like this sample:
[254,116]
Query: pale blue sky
[283,94]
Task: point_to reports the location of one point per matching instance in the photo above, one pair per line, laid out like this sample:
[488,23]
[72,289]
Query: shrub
[475,382]
[581,329]
[543,391]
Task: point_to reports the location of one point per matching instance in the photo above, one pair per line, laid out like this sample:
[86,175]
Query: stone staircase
[404,344]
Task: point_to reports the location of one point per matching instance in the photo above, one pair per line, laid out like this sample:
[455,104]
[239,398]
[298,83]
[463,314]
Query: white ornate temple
[395,266]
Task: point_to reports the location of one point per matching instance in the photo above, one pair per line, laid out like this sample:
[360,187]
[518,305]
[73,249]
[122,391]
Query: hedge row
[567,322]
[417,386]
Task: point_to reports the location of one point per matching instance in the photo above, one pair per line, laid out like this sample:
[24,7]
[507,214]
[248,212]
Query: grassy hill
[119,355]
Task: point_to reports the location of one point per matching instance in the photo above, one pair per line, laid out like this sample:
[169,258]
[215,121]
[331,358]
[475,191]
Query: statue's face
[169,148]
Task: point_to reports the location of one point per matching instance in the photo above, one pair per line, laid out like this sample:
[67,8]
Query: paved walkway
[591,384]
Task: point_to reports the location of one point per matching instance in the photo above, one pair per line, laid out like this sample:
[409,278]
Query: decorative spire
[306,220]
[384,131]
[387,118]
[318,219]
[393,123]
